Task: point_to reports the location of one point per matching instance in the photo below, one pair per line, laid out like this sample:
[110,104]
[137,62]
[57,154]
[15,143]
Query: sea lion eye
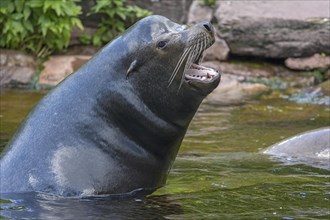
[161,44]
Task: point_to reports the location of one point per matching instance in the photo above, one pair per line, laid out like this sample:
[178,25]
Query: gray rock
[233,88]
[308,63]
[15,58]
[275,29]
[273,76]
[245,69]
[174,10]
[16,75]
[218,51]
[199,12]
[16,68]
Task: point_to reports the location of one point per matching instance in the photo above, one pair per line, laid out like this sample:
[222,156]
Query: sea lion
[116,124]
[311,147]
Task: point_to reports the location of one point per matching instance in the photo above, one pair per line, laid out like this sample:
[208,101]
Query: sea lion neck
[128,113]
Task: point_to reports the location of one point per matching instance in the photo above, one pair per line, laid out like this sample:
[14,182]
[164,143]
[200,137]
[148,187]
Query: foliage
[116,17]
[210,3]
[38,26]
[319,76]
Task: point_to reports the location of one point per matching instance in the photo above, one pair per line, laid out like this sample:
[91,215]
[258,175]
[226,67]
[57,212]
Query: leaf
[17,16]
[96,40]
[47,4]
[11,7]
[41,19]
[118,3]
[6,27]
[19,4]
[17,26]
[2,42]
[57,8]
[28,26]
[39,26]
[35,3]
[44,29]
[66,38]
[121,15]
[77,22]
[26,13]
[4,3]
[100,5]
[69,11]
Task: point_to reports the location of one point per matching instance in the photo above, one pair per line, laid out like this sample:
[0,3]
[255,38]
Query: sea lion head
[162,61]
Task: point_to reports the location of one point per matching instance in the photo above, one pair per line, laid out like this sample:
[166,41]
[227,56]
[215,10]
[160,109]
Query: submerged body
[310,147]
[115,125]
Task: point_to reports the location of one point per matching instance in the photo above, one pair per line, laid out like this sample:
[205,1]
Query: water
[218,174]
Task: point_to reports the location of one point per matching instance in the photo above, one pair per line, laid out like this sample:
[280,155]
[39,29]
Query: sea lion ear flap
[131,68]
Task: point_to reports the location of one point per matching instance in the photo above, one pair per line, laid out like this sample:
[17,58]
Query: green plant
[37,26]
[116,17]
[210,3]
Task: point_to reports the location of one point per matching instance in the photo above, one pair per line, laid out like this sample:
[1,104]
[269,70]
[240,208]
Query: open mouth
[201,78]
[194,74]
[201,73]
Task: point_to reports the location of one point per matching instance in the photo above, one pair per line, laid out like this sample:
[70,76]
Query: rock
[15,58]
[174,10]
[273,76]
[309,63]
[16,68]
[16,76]
[275,29]
[244,69]
[312,95]
[218,51]
[59,67]
[233,88]
[199,12]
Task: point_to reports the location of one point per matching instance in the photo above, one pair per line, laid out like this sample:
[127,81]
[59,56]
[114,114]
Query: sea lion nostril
[207,27]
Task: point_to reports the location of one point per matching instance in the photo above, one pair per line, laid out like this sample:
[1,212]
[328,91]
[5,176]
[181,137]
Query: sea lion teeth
[200,73]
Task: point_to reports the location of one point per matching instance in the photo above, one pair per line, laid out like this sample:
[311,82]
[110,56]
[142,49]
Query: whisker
[183,56]
[190,60]
[185,53]
[203,48]
[192,53]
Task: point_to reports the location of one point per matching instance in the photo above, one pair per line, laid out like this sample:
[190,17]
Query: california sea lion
[311,147]
[115,125]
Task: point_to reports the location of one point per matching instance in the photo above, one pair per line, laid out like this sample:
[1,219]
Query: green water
[219,172]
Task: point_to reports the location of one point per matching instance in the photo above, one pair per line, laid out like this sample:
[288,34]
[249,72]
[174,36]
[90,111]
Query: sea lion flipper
[131,68]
